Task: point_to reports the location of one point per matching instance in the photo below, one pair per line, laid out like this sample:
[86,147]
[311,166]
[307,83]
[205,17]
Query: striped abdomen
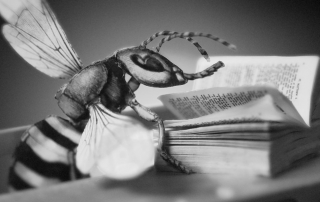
[45,155]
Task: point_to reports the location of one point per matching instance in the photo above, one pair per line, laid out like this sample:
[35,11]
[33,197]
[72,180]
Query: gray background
[98,28]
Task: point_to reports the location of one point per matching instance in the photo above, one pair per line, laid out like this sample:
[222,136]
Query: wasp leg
[71,159]
[207,72]
[149,115]
[133,84]
[74,172]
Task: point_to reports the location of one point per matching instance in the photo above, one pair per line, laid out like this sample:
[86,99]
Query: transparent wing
[34,32]
[119,146]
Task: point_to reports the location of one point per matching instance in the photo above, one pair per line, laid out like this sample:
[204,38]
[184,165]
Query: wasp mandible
[98,93]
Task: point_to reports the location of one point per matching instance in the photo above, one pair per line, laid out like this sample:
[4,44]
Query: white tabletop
[301,183]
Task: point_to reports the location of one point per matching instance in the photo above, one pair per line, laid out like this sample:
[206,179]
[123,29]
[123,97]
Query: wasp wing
[119,146]
[34,32]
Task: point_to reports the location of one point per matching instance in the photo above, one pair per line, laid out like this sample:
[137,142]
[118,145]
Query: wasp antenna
[161,33]
[200,49]
[168,38]
[199,34]
[191,40]
[207,72]
[210,36]
[186,35]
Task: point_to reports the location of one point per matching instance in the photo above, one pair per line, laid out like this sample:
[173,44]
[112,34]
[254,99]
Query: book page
[292,76]
[225,105]
[265,130]
[203,102]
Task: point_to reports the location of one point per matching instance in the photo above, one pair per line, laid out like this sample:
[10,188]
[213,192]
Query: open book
[252,118]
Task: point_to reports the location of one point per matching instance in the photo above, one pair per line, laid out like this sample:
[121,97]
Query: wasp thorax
[102,80]
[116,93]
[81,90]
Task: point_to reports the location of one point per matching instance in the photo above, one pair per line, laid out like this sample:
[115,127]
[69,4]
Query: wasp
[119,146]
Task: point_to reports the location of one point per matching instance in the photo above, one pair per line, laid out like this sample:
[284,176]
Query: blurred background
[98,28]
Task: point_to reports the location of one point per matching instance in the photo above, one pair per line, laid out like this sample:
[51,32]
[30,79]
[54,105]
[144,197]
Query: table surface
[299,184]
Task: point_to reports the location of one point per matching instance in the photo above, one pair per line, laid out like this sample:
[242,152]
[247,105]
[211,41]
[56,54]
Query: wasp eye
[148,63]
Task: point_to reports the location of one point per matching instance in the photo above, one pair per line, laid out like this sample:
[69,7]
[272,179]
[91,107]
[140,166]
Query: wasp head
[150,68]
[153,69]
